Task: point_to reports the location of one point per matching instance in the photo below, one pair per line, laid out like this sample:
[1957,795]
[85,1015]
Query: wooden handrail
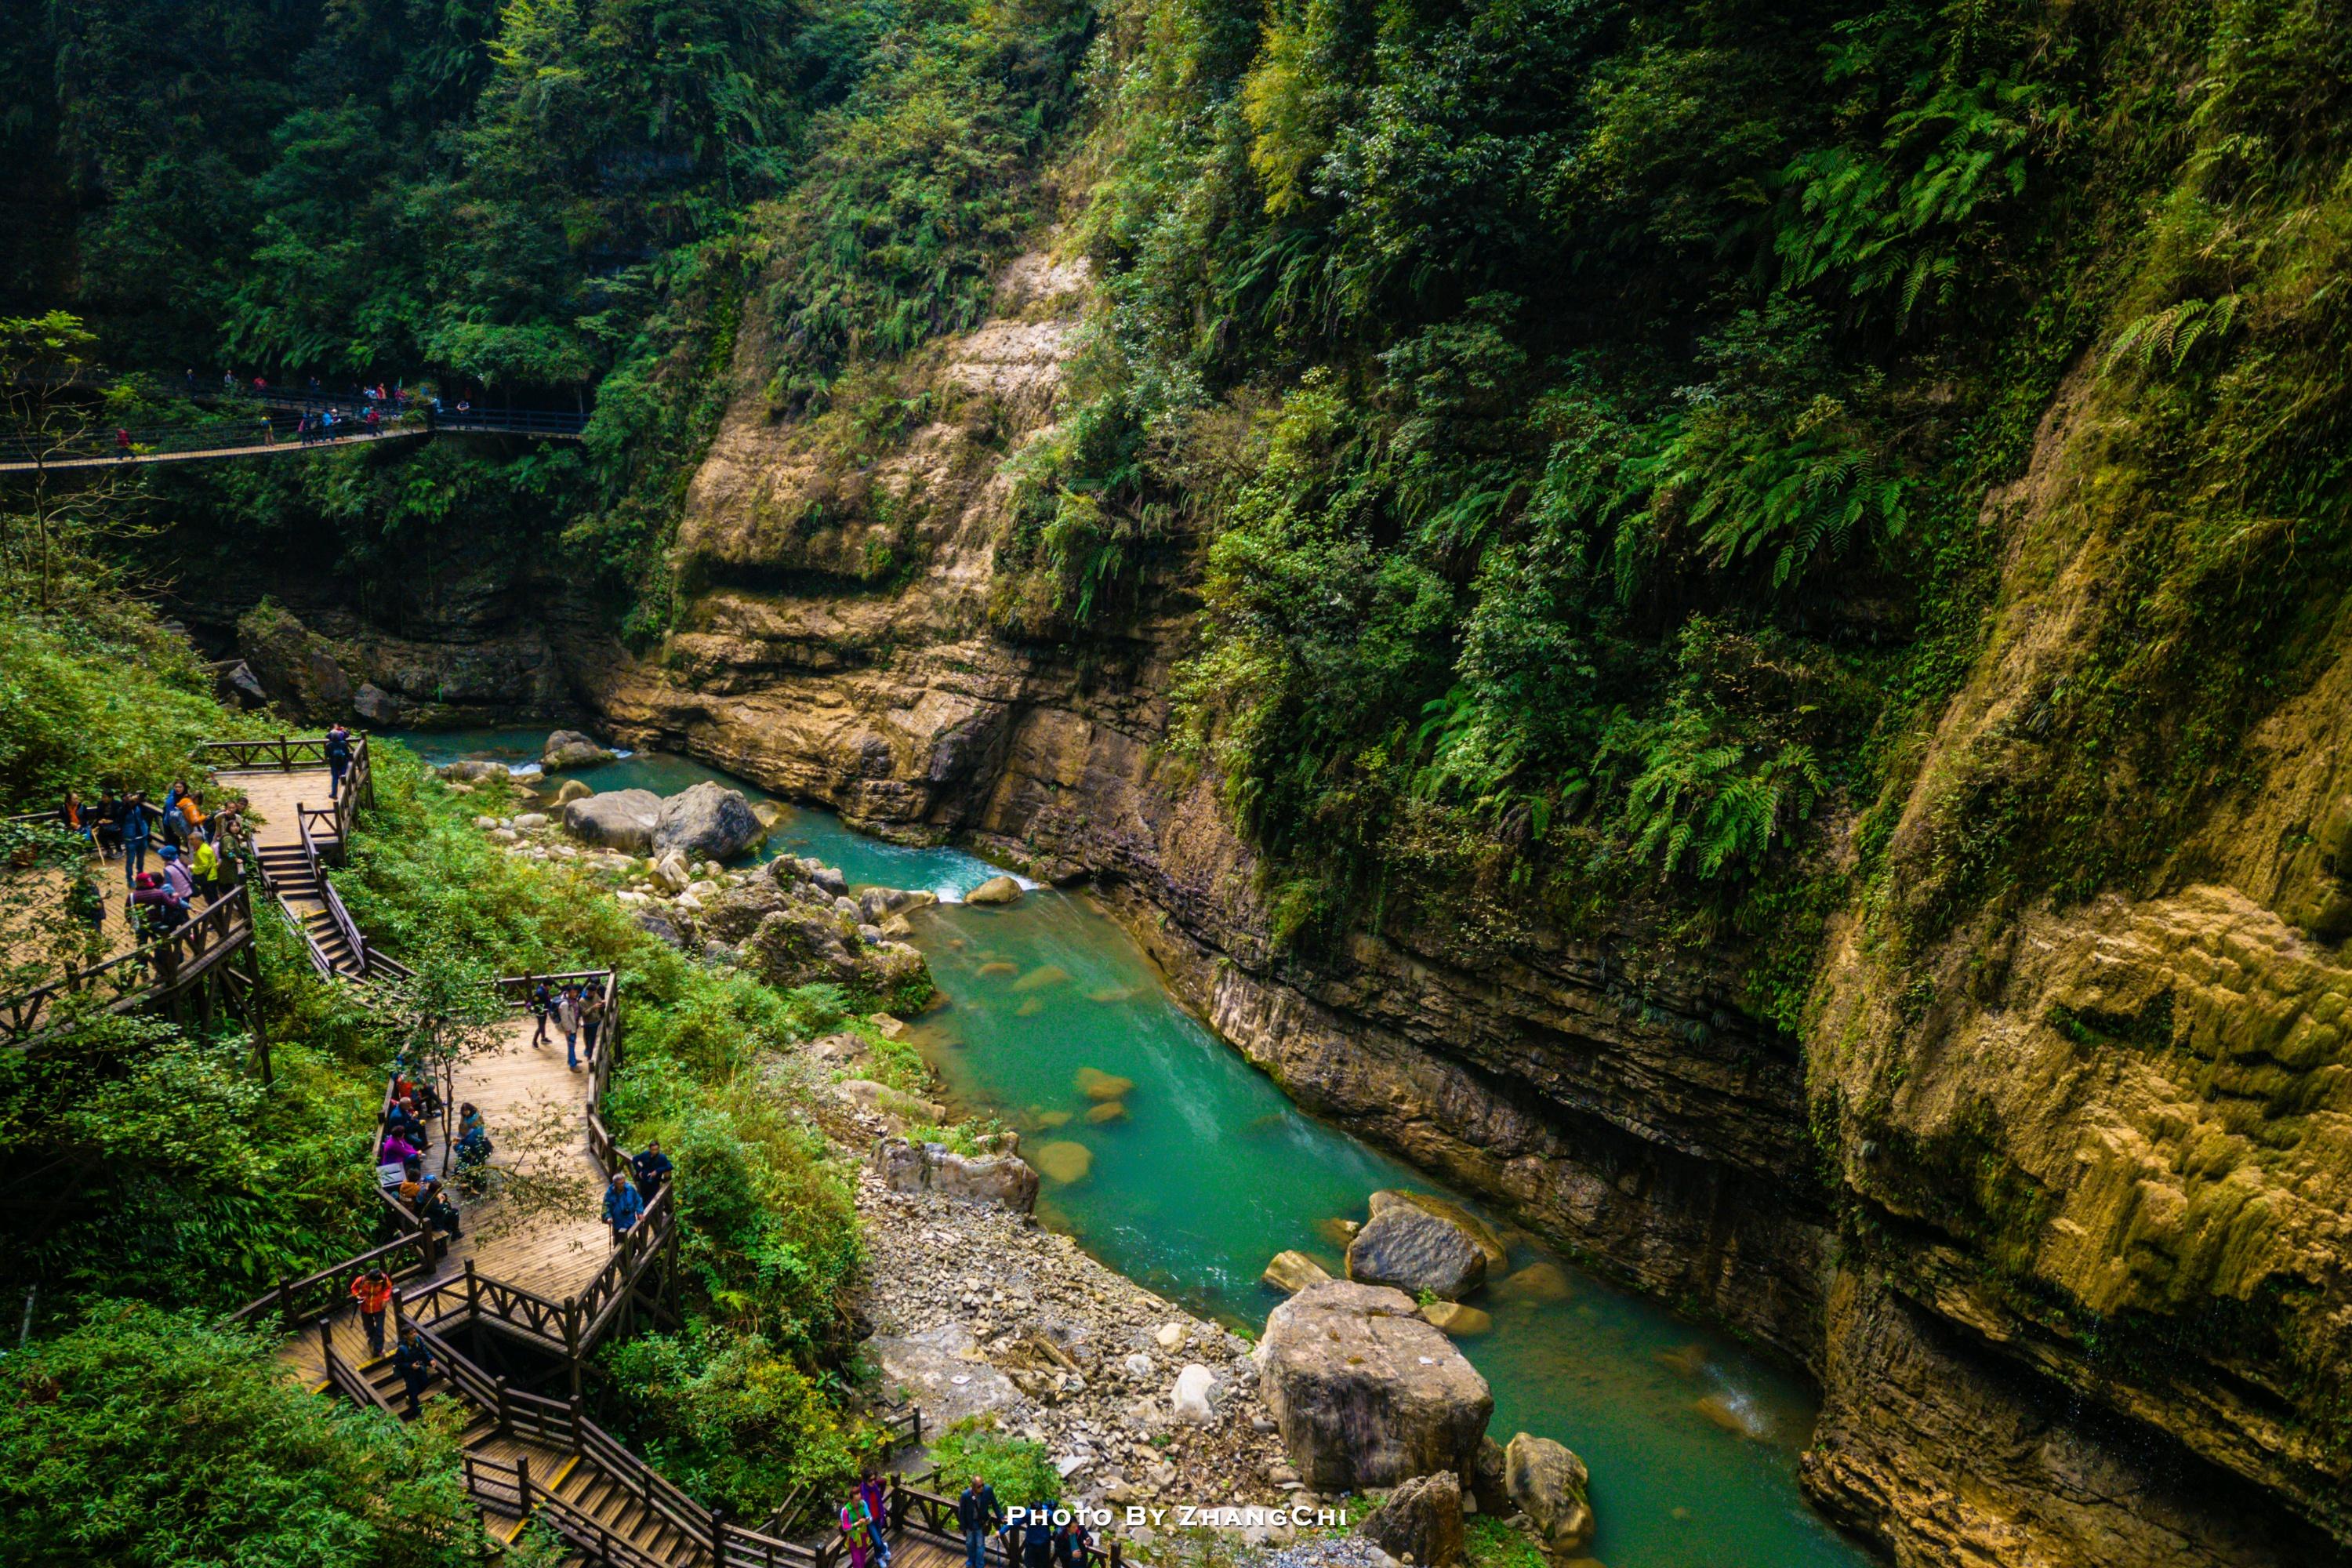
[153,971]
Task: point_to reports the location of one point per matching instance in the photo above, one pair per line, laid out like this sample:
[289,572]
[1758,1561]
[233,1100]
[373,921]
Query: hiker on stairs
[372,1291]
[413,1362]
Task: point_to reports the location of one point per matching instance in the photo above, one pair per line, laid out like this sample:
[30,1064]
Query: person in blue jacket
[622,1207]
[137,833]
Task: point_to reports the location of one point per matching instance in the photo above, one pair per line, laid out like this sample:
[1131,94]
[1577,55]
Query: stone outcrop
[707,822]
[1364,1391]
[571,749]
[794,929]
[1549,1484]
[1004,1180]
[619,819]
[1421,1521]
[1413,1249]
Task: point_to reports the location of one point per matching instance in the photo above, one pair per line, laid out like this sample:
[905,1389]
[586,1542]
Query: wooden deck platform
[545,1233]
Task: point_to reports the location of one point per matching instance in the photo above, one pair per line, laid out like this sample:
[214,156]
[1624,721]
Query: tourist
[175,878]
[191,812]
[136,835]
[567,1014]
[875,1500]
[339,758]
[591,1018]
[622,1207]
[173,824]
[121,446]
[74,817]
[976,1515]
[400,1116]
[433,1207]
[372,1291]
[413,1362]
[542,1003]
[204,867]
[855,1531]
[473,1148]
[653,1168]
[1037,1541]
[108,822]
[396,1150]
[1070,1544]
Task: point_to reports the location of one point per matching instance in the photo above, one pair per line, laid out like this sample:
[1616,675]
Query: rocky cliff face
[2097,1155]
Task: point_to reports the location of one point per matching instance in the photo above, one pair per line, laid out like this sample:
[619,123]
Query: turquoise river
[1691,1441]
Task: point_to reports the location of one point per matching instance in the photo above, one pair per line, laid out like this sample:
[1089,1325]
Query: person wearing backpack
[339,758]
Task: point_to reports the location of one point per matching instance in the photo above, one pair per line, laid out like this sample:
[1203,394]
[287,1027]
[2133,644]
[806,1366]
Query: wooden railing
[287,752]
[926,1513]
[144,973]
[298,1302]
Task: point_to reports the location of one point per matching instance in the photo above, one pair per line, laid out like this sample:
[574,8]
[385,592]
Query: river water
[1691,1441]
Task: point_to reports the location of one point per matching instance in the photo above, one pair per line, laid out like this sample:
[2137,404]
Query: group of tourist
[413,1104]
[1033,1541]
[627,1199]
[576,1008]
[194,855]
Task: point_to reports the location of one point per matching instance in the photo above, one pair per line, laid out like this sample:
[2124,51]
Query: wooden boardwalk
[544,1230]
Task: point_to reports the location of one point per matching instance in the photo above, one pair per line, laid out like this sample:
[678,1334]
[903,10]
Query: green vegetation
[1016,1468]
[258,1469]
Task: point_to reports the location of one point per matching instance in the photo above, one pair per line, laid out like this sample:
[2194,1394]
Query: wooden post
[579,1441]
[506,1412]
[718,1537]
[473,1291]
[285,756]
[286,1302]
[522,1482]
[572,1339]
[253,1004]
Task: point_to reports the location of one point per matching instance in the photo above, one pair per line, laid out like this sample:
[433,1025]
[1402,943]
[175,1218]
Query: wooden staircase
[296,880]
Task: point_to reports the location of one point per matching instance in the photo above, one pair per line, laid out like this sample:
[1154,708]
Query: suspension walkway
[273,431]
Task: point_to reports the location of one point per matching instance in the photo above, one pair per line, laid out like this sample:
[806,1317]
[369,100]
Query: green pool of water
[1209,1170]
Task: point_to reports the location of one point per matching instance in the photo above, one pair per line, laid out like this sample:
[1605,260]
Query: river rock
[799,942]
[1421,1522]
[530,821]
[671,872]
[1064,1161]
[1489,1484]
[1292,1271]
[1406,1245]
[1482,1235]
[1096,1084]
[708,821]
[1365,1392]
[770,813]
[571,749]
[1004,1180]
[471,771]
[995,890]
[371,702]
[619,819]
[1536,1282]
[1194,1399]
[1549,1485]
[570,790]
[1455,1319]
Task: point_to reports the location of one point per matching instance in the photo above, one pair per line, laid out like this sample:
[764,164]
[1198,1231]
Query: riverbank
[1693,1441]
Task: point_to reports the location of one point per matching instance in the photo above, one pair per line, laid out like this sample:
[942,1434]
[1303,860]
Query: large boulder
[1482,1235]
[378,707]
[708,821]
[620,819]
[571,749]
[1413,1249]
[995,890]
[1004,1180]
[803,943]
[1364,1391]
[469,770]
[1421,1522]
[1549,1484]
[1489,1480]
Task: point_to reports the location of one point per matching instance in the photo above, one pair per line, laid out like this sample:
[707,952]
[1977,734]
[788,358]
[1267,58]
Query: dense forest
[1588,431]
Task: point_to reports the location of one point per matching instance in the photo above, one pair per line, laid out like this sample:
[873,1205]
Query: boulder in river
[1482,1235]
[1096,1084]
[1408,1246]
[1004,1180]
[1064,1161]
[1421,1522]
[471,769]
[571,749]
[1364,1391]
[1292,1271]
[708,821]
[619,819]
[570,790]
[1549,1484]
[995,890]
[1457,1318]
